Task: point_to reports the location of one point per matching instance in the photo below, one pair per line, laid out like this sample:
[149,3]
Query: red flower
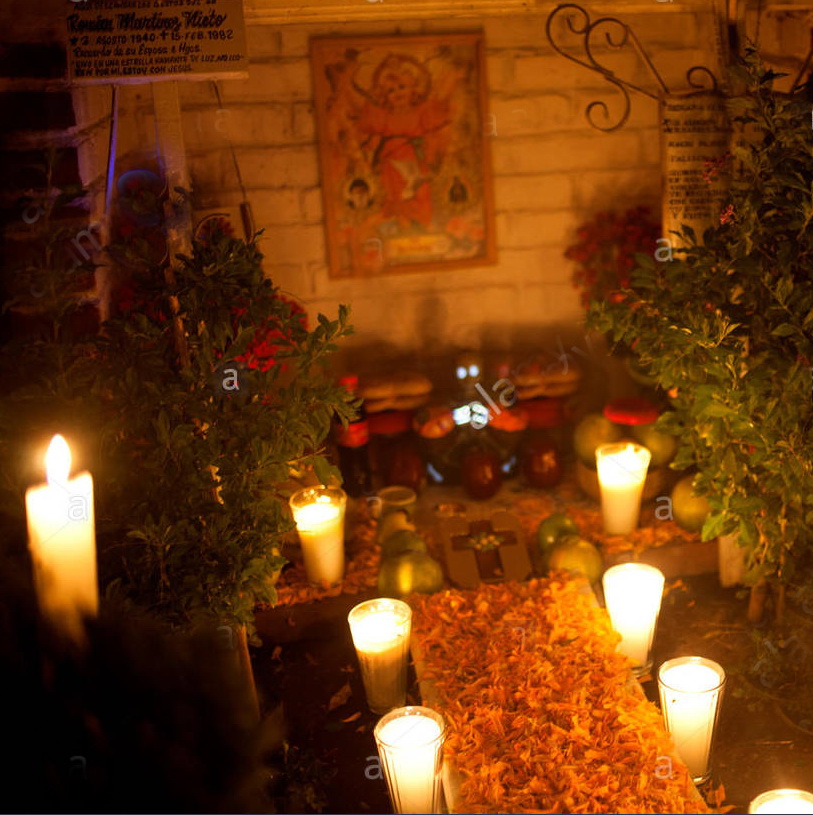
[265,344]
[605,249]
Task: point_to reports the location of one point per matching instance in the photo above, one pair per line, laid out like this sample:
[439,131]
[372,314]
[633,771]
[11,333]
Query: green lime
[576,554]
[662,446]
[688,510]
[400,541]
[554,527]
[409,572]
[392,522]
[593,430]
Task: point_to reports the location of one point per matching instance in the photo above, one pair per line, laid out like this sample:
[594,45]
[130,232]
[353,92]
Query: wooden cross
[489,560]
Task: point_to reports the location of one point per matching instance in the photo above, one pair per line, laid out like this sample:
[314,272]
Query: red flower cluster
[728,214]
[606,248]
[261,351]
[265,344]
[713,167]
[130,299]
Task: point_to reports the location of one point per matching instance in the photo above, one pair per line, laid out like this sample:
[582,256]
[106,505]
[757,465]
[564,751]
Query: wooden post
[756,602]
[244,665]
[177,210]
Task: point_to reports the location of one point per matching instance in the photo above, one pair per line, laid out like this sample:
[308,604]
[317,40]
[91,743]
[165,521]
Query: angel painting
[405,167]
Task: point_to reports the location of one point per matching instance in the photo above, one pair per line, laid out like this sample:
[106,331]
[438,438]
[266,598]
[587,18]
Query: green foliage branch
[188,459]
[726,327]
[201,449]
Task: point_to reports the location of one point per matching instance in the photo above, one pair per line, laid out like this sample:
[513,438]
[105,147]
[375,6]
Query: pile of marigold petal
[541,712]
[361,572]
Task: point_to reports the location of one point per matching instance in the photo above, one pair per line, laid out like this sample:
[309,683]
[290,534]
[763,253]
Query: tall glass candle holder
[380,630]
[691,689]
[632,594]
[319,516]
[622,470]
[410,746]
[782,802]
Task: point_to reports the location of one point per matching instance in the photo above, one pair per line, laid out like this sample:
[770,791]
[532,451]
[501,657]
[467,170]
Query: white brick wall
[552,172]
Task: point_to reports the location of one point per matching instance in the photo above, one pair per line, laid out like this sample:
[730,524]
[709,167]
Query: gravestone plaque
[695,137]
[128,41]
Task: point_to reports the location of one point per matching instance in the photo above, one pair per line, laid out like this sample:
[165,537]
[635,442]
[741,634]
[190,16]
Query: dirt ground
[334,750]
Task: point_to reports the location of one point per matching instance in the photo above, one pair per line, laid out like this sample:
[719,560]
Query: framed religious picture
[404,153]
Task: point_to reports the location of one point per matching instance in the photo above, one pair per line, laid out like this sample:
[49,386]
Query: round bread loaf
[547,375]
[395,403]
[396,384]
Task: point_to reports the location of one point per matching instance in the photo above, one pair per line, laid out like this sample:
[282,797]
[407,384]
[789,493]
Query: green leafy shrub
[726,328]
[189,408]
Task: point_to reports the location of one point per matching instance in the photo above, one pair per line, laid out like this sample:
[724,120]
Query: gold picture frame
[404,155]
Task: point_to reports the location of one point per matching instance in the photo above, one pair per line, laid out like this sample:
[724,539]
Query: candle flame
[58,461]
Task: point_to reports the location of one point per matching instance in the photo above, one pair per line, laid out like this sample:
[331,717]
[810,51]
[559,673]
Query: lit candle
[62,540]
[410,745]
[632,593]
[690,690]
[782,802]
[380,630]
[621,474]
[319,517]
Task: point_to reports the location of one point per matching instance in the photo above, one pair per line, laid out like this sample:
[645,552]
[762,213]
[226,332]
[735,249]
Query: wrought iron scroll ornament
[617,35]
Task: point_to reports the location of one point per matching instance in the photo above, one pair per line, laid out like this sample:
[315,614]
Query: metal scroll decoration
[617,35]
[694,128]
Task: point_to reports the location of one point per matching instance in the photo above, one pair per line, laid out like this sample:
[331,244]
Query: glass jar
[394,450]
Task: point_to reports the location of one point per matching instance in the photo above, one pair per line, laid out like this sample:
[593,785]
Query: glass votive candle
[410,746]
[621,470]
[381,629]
[319,516]
[782,802]
[632,594]
[691,690]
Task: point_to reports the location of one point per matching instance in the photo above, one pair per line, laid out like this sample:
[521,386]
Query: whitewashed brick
[552,172]
[209,170]
[533,192]
[238,124]
[550,303]
[500,72]
[528,115]
[275,80]
[280,167]
[514,32]
[296,40]
[288,276]
[520,230]
[603,189]
[541,73]
[264,41]
[304,123]
[311,204]
[650,146]
[578,151]
[293,244]
[667,28]
[276,207]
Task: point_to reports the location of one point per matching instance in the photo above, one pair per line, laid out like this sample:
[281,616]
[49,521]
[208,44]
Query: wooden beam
[280,12]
